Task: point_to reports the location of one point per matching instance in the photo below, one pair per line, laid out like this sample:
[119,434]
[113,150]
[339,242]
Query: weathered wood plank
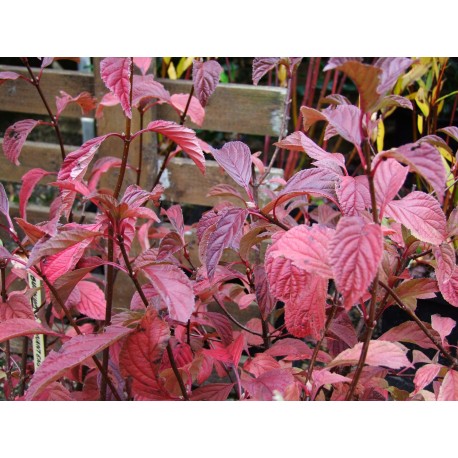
[183,181]
[237,108]
[18,96]
[240,108]
[34,155]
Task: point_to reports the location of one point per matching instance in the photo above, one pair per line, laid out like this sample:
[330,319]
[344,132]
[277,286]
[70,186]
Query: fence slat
[17,96]
[237,108]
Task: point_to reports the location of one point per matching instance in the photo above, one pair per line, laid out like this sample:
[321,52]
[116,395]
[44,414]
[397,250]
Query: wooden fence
[238,108]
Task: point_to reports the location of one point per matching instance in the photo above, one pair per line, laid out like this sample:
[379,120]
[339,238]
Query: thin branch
[420,324]
[177,372]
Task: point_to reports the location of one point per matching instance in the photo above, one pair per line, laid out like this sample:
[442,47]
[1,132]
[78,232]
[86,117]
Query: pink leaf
[451,131]
[226,230]
[315,182]
[143,63]
[262,65]
[306,247]
[422,158]
[185,138]
[17,327]
[422,214]
[146,88]
[102,165]
[297,141]
[355,254]
[425,375]
[443,325]
[449,288]
[92,300]
[205,76]
[324,377]
[195,110]
[4,76]
[175,289]
[235,159]
[170,244]
[225,190]
[142,352]
[392,68]
[389,177]
[212,392]
[29,181]
[449,388]
[108,100]
[60,242]
[266,301]
[446,263]
[115,73]
[15,137]
[366,78]
[17,306]
[380,353]
[295,349]
[5,205]
[76,163]
[353,194]
[345,120]
[175,216]
[72,353]
[46,62]
[84,100]
[410,332]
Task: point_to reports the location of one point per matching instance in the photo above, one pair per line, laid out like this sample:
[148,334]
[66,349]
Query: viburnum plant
[341,247]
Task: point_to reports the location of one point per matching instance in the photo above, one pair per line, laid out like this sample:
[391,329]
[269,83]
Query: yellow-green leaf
[420,123]
[380,135]
[183,65]
[422,102]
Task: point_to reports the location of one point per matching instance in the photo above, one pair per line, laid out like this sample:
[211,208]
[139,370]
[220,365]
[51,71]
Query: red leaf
[17,327]
[17,306]
[380,353]
[175,289]
[141,354]
[422,214]
[324,377]
[108,100]
[421,158]
[443,325]
[305,311]
[195,110]
[115,73]
[55,392]
[425,375]
[266,301]
[227,228]
[170,244]
[29,181]
[306,247]
[388,180]
[15,137]
[205,76]
[72,353]
[297,141]
[261,363]
[76,163]
[416,288]
[295,349]
[353,194]
[235,159]
[262,65]
[355,253]
[4,76]
[410,332]
[84,100]
[143,63]
[263,387]
[100,166]
[212,392]
[185,138]
[316,182]
[92,300]
[449,388]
